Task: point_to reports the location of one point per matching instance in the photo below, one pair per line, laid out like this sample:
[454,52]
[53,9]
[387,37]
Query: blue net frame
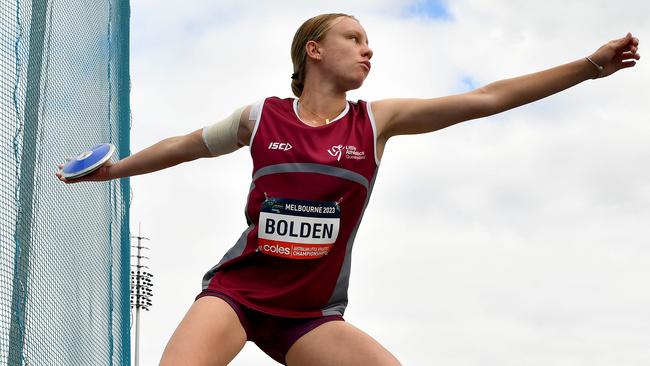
[64,249]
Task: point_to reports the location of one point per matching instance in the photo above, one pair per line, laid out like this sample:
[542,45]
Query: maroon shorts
[272,334]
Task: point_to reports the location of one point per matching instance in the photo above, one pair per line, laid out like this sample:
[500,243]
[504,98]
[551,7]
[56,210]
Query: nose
[367,52]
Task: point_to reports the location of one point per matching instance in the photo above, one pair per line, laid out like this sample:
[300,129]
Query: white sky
[518,239]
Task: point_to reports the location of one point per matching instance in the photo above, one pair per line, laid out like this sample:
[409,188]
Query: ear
[313,50]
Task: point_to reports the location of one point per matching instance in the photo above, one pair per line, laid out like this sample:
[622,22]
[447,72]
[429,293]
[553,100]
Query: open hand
[617,54]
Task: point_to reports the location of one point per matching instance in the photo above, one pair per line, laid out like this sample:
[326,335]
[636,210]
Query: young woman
[283,285]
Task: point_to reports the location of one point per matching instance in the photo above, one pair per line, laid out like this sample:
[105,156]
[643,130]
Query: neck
[322,99]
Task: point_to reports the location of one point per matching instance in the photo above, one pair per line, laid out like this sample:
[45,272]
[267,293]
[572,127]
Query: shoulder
[248,118]
[378,112]
[252,113]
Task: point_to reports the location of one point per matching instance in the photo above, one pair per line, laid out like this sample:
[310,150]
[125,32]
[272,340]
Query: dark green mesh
[64,249]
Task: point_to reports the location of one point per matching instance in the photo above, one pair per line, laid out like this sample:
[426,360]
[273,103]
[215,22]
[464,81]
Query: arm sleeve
[221,137]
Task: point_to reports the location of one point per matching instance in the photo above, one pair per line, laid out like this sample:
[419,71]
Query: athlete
[283,285]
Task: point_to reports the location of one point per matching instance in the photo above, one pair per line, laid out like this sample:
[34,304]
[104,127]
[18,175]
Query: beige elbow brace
[221,137]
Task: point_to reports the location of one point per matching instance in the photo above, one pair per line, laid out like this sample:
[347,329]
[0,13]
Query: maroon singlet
[310,188]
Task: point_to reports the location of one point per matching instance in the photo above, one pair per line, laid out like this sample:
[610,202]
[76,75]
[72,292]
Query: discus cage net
[64,249]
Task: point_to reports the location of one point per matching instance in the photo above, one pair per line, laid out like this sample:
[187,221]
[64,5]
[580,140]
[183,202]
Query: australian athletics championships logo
[298,229]
[350,152]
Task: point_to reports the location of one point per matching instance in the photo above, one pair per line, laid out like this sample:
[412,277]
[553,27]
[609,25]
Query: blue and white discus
[87,161]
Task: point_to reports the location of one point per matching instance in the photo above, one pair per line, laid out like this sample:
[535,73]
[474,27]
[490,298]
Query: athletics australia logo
[336,151]
[350,152]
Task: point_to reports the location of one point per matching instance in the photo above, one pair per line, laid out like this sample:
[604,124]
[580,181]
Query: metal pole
[22,235]
[137,306]
[142,294]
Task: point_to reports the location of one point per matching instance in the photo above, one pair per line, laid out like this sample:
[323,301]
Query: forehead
[347,24]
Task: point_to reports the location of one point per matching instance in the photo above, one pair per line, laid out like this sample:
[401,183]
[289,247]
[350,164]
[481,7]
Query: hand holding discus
[91,165]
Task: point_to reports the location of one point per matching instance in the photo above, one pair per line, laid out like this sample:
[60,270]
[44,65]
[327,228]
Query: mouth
[366,64]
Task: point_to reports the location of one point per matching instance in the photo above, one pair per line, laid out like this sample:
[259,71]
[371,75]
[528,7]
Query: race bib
[298,229]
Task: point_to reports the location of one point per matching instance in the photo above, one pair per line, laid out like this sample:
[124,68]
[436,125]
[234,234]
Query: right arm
[164,154]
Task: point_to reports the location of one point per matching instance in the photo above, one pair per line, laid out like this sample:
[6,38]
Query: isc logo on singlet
[298,229]
[280,146]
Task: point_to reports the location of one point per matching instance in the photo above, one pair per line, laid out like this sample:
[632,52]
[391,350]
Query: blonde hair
[314,29]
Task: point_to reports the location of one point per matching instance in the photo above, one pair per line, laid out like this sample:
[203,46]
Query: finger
[626,55]
[624,39]
[625,64]
[623,42]
[61,178]
[629,55]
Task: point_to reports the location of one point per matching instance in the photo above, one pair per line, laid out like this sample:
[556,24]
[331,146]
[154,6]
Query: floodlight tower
[141,292]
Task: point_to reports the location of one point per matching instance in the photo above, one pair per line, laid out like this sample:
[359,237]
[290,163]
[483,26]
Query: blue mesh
[64,249]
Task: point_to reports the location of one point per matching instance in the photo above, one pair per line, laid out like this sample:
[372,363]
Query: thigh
[209,334]
[338,343]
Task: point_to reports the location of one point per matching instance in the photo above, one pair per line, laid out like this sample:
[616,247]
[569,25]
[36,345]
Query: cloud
[518,238]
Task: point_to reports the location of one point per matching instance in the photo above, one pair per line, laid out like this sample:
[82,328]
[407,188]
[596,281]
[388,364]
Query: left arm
[413,116]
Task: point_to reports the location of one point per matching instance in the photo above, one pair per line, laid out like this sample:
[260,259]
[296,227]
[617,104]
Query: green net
[64,249]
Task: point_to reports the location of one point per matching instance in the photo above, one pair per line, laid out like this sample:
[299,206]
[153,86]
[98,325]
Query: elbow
[175,150]
[181,149]
[487,102]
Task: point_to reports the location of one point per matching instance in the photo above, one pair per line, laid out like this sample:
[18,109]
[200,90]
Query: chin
[351,82]
[355,84]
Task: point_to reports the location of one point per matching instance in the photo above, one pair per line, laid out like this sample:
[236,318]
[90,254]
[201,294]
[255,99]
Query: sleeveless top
[310,187]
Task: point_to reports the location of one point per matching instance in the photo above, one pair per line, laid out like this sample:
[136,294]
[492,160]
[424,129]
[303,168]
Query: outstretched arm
[413,116]
[164,154]
[175,150]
